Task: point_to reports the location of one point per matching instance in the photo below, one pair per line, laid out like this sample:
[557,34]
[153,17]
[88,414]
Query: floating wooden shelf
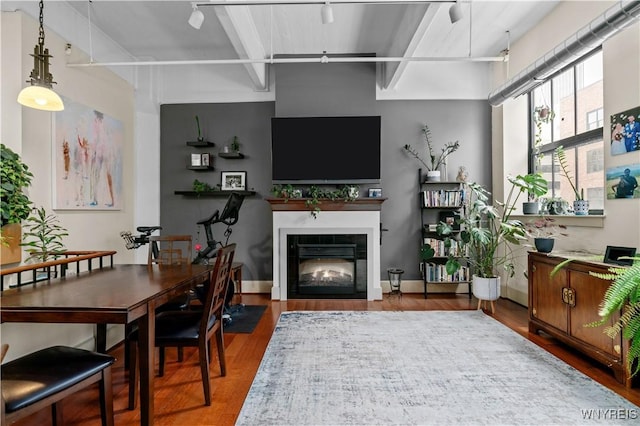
[200,143]
[231,155]
[201,168]
[212,193]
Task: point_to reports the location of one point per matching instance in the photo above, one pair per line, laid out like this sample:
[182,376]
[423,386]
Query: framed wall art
[233,181]
[88,159]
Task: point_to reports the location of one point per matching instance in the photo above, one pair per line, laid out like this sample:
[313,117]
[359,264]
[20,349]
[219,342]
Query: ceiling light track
[294,2]
[319,59]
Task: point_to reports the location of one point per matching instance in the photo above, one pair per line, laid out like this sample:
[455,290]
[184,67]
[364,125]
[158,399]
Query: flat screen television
[307,150]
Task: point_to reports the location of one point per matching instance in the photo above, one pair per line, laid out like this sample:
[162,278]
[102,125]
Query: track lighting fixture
[197,17]
[455,12]
[327,13]
[39,94]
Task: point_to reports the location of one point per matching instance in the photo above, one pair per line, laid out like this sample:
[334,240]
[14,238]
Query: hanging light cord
[41,31]
[90,39]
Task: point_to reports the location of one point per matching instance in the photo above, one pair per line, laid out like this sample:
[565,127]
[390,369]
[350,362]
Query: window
[575,97]
[595,119]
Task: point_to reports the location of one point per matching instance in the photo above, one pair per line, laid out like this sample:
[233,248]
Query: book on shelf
[442,198]
[437,272]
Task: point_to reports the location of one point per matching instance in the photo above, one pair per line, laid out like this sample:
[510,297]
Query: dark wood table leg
[101,338]
[146,326]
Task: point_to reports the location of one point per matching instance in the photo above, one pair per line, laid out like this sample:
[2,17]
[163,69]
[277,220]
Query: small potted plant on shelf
[435,161]
[580,205]
[544,231]
[485,228]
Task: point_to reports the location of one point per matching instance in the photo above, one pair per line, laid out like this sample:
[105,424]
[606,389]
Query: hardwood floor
[179,398]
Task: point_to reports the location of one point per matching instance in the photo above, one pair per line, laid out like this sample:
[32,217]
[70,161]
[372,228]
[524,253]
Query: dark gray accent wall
[466,121]
[325,89]
[251,122]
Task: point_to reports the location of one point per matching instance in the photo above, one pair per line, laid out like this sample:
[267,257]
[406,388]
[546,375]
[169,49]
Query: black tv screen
[325,149]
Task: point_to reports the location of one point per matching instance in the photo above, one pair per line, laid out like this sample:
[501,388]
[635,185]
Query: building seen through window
[575,96]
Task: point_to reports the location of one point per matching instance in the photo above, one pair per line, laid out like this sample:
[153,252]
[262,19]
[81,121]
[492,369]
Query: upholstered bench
[45,377]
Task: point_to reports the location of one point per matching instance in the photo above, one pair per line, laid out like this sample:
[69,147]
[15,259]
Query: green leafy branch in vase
[435,160]
[564,167]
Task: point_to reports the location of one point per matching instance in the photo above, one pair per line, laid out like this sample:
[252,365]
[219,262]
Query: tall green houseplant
[14,177]
[488,225]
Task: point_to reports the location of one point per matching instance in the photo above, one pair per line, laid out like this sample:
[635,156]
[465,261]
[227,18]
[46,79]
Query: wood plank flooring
[179,397]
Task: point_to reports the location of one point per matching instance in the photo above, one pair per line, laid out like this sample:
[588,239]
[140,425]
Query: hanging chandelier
[39,94]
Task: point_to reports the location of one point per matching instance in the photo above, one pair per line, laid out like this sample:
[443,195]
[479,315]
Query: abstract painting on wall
[625,131]
[88,159]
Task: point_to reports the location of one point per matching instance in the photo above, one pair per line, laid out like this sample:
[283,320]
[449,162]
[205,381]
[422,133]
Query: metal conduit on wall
[614,20]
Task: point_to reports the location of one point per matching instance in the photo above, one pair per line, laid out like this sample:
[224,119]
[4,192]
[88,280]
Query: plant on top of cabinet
[435,161]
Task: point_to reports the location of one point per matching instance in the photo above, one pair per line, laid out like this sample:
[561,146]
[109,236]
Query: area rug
[245,319]
[418,368]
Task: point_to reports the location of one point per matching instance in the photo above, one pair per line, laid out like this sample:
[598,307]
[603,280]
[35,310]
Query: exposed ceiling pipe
[615,19]
[305,2]
[320,59]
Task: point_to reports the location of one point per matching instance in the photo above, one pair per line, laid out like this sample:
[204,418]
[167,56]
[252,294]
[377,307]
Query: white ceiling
[158,30]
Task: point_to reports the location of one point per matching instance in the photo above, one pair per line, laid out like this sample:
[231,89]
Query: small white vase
[433,176]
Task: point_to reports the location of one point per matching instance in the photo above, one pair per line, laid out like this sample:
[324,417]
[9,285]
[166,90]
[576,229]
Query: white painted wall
[621,61]
[31,134]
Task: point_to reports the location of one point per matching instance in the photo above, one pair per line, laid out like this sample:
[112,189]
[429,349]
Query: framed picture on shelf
[375,192]
[206,160]
[234,181]
[196,160]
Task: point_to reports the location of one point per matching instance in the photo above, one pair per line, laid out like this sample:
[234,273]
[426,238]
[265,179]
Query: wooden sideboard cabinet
[562,305]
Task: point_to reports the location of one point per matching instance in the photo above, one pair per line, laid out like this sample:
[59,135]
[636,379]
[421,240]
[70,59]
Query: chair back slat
[216,290]
[169,249]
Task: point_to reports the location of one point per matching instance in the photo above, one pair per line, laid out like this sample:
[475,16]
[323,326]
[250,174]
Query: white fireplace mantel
[293,218]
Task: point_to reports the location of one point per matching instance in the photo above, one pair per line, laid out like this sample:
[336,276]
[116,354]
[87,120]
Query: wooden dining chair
[191,328]
[169,249]
[43,378]
[166,250]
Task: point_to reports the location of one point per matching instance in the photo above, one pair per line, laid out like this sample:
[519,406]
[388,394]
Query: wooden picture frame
[233,181]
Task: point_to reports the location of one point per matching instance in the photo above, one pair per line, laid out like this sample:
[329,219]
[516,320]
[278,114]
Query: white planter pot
[433,176]
[581,207]
[486,288]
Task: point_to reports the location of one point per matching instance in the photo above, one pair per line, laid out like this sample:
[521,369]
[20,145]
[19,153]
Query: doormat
[245,319]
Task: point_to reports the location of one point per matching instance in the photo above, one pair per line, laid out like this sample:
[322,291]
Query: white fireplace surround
[287,223]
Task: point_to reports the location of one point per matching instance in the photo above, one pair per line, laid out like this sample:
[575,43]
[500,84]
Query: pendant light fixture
[39,94]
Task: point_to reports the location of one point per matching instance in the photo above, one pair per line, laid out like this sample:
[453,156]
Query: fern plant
[623,294]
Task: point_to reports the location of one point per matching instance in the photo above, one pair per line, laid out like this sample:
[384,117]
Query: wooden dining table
[121,294]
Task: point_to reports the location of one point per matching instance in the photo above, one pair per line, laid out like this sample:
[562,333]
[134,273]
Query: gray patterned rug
[415,368]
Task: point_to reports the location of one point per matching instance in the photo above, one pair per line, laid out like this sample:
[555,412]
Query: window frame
[574,141]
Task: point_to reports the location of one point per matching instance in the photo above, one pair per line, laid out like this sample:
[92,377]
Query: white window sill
[590,221]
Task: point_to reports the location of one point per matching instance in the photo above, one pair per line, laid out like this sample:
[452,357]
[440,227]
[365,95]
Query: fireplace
[338,221]
[327,266]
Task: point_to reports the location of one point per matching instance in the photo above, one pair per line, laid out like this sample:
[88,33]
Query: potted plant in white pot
[436,161]
[580,205]
[488,234]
